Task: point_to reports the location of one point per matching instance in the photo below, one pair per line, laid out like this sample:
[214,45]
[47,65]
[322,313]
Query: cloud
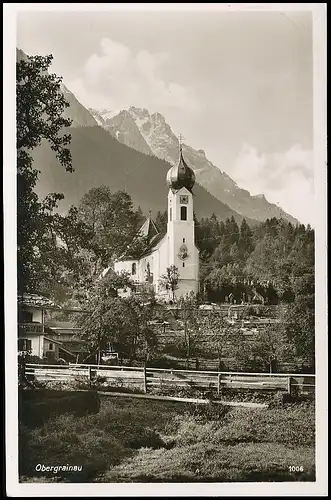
[285,178]
[117,78]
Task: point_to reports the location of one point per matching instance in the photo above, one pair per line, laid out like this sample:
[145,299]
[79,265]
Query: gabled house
[65,337]
[41,337]
[31,327]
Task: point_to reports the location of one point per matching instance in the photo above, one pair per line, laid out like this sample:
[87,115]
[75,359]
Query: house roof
[34,300]
[67,325]
[61,348]
[52,340]
[42,302]
[62,327]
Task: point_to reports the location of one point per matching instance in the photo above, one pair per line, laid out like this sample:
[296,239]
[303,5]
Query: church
[174,248]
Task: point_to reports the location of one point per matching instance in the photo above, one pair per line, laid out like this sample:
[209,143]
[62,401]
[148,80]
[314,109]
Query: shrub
[294,425]
[95,441]
[143,437]
[207,412]
[62,441]
[163,363]
[280,398]
[35,407]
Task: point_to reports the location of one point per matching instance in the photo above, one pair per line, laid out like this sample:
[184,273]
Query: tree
[39,108]
[121,322]
[268,262]
[169,280]
[245,242]
[208,232]
[226,279]
[189,313]
[219,336]
[270,346]
[300,319]
[113,223]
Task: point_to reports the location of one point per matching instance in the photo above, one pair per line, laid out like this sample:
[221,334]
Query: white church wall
[163,263]
[145,263]
[185,287]
[127,266]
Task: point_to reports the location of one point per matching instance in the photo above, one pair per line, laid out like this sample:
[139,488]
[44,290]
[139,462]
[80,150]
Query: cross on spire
[180,139]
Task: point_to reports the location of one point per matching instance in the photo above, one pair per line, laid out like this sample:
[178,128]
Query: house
[67,343]
[31,323]
[175,247]
[41,337]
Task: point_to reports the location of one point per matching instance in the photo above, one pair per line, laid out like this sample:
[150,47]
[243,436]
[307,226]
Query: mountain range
[132,150]
[149,133]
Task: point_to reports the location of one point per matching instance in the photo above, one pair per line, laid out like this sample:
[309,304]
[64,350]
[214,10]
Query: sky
[238,85]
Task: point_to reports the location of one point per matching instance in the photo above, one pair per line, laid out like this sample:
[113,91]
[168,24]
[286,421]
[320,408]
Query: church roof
[180,175]
[154,244]
[148,229]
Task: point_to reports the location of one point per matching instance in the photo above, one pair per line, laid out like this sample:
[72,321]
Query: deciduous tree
[169,280]
[39,113]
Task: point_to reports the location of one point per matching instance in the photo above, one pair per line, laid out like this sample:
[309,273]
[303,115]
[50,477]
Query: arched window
[148,269]
[183,213]
[134,268]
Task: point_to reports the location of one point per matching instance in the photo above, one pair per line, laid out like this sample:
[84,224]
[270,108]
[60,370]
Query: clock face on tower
[184,200]
[183,252]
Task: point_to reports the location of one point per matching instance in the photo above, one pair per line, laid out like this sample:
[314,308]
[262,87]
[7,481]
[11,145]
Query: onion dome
[180,175]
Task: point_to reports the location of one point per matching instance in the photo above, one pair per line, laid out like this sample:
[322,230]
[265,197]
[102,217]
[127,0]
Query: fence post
[218,384]
[89,376]
[289,387]
[144,379]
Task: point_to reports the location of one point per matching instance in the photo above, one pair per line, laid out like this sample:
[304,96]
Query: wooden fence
[143,379]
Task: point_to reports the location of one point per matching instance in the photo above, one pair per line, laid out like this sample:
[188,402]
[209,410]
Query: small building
[31,327]
[44,338]
[51,347]
[67,342]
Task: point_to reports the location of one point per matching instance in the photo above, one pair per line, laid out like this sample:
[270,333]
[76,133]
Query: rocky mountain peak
[158,117]
[139,112]
[260,196]
[150,133]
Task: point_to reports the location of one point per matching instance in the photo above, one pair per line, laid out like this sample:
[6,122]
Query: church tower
[182,251]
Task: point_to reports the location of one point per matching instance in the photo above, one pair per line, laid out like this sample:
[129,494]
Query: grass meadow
[132,440]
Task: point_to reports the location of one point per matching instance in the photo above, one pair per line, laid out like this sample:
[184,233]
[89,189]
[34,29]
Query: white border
[319,488]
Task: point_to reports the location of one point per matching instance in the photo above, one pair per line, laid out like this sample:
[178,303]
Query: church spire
[180,137]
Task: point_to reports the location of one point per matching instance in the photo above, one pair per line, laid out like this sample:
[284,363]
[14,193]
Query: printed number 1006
[295,468]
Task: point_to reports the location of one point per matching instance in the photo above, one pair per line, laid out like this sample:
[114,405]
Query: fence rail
[145,378]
